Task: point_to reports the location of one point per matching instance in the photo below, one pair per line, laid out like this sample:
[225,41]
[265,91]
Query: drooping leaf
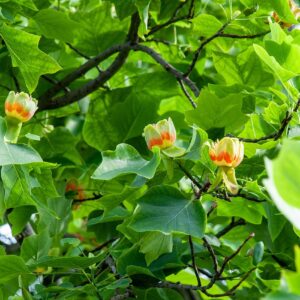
[126,160]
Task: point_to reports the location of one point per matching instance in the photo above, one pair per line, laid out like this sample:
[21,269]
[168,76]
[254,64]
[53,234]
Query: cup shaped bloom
[20,106]
[161,134]
[228,152]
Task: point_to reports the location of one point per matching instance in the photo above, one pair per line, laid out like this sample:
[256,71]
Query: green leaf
[27,3]
[250,211]
[19,217]
[154,244]
[166,210]
[174,151]
[281,73]
[243,69]
[61,143]
[143,9]
[284,11]
[56,25]
[215,112]
[36,247]
[276,221]
[98,29]
[206,25]
[11,267]
[18,185]
[283,184]
[124,8]
[76,262]
[15,154]
[126,160]
[25,54]
[136,106]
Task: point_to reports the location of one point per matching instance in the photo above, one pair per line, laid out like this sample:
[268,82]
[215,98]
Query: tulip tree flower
[162,135]
[227,154]
[19,108]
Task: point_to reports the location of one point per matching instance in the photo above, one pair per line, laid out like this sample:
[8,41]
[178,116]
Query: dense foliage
[96,211]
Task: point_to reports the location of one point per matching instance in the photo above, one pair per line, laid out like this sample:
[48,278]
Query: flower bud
[228,152]
[161,134]
[20,106]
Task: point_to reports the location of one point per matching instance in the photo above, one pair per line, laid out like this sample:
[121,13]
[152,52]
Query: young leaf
[126,160]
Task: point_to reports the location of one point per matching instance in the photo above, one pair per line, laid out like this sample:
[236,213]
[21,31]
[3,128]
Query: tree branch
[187,93]
[212,254]
[232,225]
[200,48]
[276,135]
[168,67]
[246,36]
[219,33]
[225,197]
[175,18]
[79,72]
[53,81]
[91,86]
[95,197]
[167,284]
[194,260]
[189,175]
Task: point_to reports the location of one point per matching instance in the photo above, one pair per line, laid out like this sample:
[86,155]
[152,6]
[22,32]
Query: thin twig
[187,93]
[220,33]
[202,45]
[166,284]
[229,227]
[103,77]
[194,260]
[82,54]
[191,10]
[225,197]
[212,208]
[235,253]
[212,254]
[189,175]
[82,70]
[53,81]
[218,273]
[178,8]
[168,67]
[95,197]
[157,40]
[175,18]
[276,135]
[245,36]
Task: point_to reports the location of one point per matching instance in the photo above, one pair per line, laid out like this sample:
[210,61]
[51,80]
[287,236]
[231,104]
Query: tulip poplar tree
[149,149]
